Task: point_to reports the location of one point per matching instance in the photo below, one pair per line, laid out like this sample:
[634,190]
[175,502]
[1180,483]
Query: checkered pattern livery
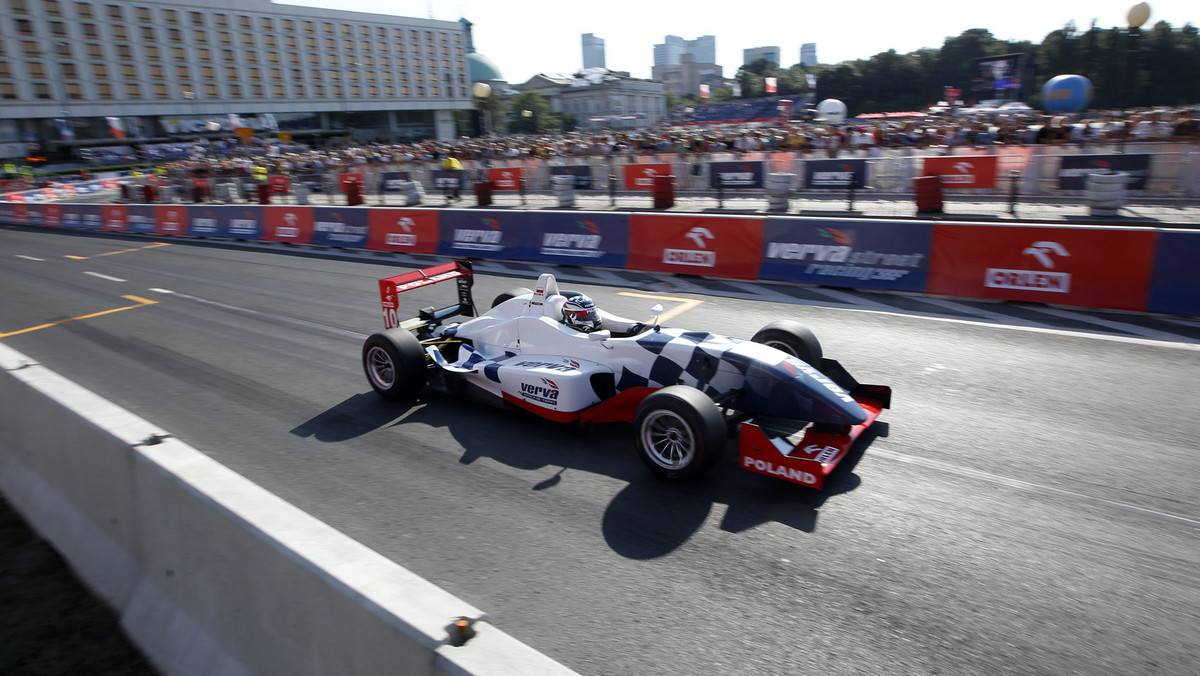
[691,357]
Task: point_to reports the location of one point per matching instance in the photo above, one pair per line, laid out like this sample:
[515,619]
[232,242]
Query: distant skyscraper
[670,52]
[755,53]
[808,54]
[593,51]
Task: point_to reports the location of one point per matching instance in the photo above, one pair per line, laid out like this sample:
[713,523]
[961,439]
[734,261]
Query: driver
[579,313]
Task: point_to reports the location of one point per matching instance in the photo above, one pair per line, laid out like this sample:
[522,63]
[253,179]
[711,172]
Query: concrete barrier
[209,573]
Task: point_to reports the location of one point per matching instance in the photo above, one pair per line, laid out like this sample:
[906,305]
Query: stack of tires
[411,193]
[779,188]
[564,190]
[1106,192]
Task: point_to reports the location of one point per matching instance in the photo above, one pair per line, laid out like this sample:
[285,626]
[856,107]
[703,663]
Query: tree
[529,113]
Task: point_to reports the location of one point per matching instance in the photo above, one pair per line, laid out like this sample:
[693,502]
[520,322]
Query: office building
[755,53]
[599,98]
[670,52]
[685,78]
[593,51]
[808,54]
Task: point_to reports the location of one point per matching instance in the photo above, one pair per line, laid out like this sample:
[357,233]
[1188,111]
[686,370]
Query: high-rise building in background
[808,54]
[670,52]
[593,51]
[755,53]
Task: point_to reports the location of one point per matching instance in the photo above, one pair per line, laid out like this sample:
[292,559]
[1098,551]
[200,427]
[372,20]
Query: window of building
[314,60]
[200,37]
[319,91]
[256,91]
[148,33]
[69,71]
[235,91]
[231,73]
[160,91]
[119,32]
[222,20]
[177,54]
[348,45]
[252,57]
[266,24]
[404,91]
[254,74]
[36,69]
[227,56]
[330,44]
[269,40]
[309,27]
[175,35]
[347,30]
[387,76]
[182,73]
[104,90]
[289,26]
[297,75]
[114,12]
[82,9]
[208,73]
[52,7]
[211,91]
[133,91]
[417,63]
[380,33]
[18,6]
[124,51]
[431,50]
[170,16]
[421,92]
[156,71]
[89,29]
[435,91]
[204,55]
[355,91]
[29,48]
[273,57]
[153,54]
[244,22]
[294,58]
[143,14]
[277,91]
[58,29]
[310,43]
[7,90]
[41,90]
[327,28]
[128,71]
[276,73]
[4,71]
[63,49]
[290,41]
[389,91]
[364,31]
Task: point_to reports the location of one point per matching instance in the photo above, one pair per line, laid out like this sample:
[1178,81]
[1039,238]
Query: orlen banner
[288,224]
[861,254]
[1175,283]
[411,230]
[505,178]
[52,215]
[114,217]
[584,239]
[344,227]
[1088,267]
[968,171]
[1072,173]
[171,220]
[482,234]
[735,175]
[835,174]
[641,176]
[716,246]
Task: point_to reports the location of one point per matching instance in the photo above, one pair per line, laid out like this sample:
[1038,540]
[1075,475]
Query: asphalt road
[1027,507]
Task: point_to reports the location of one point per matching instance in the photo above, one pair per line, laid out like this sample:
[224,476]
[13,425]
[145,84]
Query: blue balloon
[1066,94]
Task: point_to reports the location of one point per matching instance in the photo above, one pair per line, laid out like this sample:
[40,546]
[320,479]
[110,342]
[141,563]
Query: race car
[552,353]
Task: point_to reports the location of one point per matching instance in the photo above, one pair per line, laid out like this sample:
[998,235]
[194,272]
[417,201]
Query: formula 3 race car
[683,391]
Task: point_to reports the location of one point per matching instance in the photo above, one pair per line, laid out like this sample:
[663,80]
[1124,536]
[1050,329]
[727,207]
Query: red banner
[344,179]
[52,215]
[963,172]
[412,230]
[288,224]
[641,176]
[114,217]
[505,178]
[1088,267]
[20,213]
[280,184]
[171,220]
[717,246]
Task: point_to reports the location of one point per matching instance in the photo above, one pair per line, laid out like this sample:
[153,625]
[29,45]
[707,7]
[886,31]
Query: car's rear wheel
[679,432]
[793,338]
[394,362]
[510,294]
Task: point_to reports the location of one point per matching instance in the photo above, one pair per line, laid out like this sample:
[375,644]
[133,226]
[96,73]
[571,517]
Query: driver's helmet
[579,312]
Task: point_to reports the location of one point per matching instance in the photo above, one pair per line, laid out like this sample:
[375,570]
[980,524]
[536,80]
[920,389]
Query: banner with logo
[389,181]
[859,254]
[344,227]
[280,185]
[505,178]
[641,176]
[411,230]
[241,222]
[292,224]
[52,215]
[735,175]
[205,221]
[835,174]
[1175,281]
[344,180]
[482,234]
[17,212]
[171,220]
[1088,267]
[713,246]
[581,172]
[962,172]
[81,216]
[7,212]
[447,180]
[589,239]
[1072,173]
[314,182]
[114,217]
[140,218]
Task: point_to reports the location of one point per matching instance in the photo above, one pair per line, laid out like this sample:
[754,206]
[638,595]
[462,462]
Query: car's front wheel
[679,432]
[793,338]
[510,294]
[394,362]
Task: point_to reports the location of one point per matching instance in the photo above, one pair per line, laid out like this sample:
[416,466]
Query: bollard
[264,193]
[483,193]
[1014,178]
[850,196]
[664,192]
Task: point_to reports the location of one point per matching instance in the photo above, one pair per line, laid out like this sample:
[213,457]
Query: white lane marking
[1142,331]
[109,278]
[31,258]
[266,315]
[1037,488]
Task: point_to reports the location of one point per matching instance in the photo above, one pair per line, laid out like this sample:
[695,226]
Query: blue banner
[1072,173]
[205,221]
[483,234]
[735,175]
[581,172]
[33,214]
[835,174]
[240,222]
[314,182]
[584,239]
[83,216]
[1175,280]
[141,218]
[389,181]
[6,213]
[860,254]
[447,180]
[344,227]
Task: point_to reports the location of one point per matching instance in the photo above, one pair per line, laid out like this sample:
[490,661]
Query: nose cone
[791,388]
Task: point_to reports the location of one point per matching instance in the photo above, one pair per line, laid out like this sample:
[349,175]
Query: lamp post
[1139,14]
[528,114]
[482,91]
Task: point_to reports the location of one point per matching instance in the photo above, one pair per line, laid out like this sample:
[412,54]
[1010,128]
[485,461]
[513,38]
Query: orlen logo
[698,257]
[646,180]
[1044,253]
[577,244]
[479,239]
[292,229]
[821,453]
[965,175]
[405,238]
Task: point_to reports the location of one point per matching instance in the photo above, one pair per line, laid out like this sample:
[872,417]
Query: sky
[527,37]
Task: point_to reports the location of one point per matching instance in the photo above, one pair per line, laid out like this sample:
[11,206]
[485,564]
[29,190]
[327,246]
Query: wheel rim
[668,440]
[782,347]
[381,368]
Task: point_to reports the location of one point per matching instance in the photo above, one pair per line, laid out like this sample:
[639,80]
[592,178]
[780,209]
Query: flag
[272,124]
[812,80]
[64,129]
[737,90]
[704,91]
[114,125]
[771,85]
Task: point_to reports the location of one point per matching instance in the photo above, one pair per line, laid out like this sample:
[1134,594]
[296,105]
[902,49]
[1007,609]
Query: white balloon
[832,110]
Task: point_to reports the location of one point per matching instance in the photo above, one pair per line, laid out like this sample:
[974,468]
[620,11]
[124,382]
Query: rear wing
[390,287]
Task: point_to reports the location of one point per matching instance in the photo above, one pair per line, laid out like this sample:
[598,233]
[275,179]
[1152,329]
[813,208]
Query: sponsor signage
[1175,281]
[581,172]
[1088,267]
[729,175]
[19,213]
[716,246]
[114,217]
[584,239]
[834,174]
[280,184]
[82,216]
[344,227]
[288,224]
[482,234]
[963,172]
[7,212]
[140,218]
[641,176]
[52,215]
[447,180]
[860,254]
[1072,173]
[389,181]
[505,178]
[241,222]
[344,180]
[205,221]
[411,230]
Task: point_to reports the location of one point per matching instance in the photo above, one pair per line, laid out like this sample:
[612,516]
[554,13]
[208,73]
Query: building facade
[81,73]
[672,50]
[755,53]
[808,54]
[599,98]
[685,78]
[593,51]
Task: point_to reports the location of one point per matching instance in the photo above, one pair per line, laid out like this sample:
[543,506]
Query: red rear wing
[392,286]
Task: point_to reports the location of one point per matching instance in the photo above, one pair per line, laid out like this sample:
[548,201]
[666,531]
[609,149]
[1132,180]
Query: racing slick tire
[510,294]
[394,362]
[679,432]
[793,338]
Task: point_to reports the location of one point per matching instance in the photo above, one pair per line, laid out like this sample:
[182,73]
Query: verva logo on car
[171,220]
[114,217]
[1089,267]
[505,178]
[641,176]
[410,230]
[288,224]
[963,172]
[707,245]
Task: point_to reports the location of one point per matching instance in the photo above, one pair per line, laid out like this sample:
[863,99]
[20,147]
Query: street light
[1139,14]
[482,91]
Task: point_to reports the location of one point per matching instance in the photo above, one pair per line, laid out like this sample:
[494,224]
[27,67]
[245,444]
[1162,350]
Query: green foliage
[529,113]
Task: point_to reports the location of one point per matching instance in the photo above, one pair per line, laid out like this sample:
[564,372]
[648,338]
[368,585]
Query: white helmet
[579,312]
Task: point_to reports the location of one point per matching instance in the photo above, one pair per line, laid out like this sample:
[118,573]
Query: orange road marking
[110,253]
[140,302]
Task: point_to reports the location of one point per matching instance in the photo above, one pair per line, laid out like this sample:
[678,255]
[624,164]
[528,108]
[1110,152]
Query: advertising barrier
[1072,173]
[203,221]
[858,254]
[447,180]
[581,172]
[389,181]
[835,174]
[293,224]
[641,176]
[344,227]
[483,234]
[735,175]
[410,230]
[140,218]
[171,220]
[1175,284]
[505,178]
[968,172]
[241,222]
[81,216]
[114,217]
[718,246]
[587,239]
